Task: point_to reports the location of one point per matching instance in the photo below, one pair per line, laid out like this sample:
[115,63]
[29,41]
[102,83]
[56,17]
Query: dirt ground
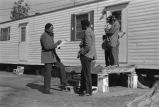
[26,91]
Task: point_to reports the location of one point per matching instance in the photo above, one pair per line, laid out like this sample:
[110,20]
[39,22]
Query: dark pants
[107,56]
[61,69]
[86,79]
[47,75]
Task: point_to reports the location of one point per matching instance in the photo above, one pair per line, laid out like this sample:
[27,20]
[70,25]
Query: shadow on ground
[35,86]
[40,87]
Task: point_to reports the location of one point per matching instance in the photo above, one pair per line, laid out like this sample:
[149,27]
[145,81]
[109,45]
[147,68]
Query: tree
[19,10]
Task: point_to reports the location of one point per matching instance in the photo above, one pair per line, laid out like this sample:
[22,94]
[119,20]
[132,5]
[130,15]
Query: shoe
[47,92]
[62,87]
[81,94]
[88,94]
[85,94]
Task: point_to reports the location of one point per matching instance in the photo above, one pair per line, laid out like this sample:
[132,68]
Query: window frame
[23,25]
[88,16]
[73,23]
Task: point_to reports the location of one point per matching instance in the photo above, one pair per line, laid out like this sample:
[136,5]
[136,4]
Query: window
[76,30]
[5,34]
[23,34]
[23,31]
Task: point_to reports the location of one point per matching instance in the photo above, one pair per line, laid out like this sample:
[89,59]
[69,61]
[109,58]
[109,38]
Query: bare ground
[26,91]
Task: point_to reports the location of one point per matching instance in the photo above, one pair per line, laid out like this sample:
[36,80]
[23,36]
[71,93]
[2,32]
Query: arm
[87,44]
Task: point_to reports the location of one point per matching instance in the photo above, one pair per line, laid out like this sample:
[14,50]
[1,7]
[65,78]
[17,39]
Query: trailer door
[23,42]
[120,12]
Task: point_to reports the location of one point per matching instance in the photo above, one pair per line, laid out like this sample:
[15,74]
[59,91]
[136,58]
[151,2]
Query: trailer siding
[143,29]
[62,23]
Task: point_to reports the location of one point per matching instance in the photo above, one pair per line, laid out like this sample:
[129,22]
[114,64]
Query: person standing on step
[50,57]
[113,43]
[87,54]
[105,47]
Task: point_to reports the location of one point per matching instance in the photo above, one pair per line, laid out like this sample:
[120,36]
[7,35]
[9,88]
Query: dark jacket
[48,52]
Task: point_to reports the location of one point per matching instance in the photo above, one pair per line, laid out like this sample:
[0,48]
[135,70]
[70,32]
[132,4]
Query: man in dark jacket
[87,54]
[49,57]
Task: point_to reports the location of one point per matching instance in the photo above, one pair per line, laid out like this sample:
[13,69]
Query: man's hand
[58,42]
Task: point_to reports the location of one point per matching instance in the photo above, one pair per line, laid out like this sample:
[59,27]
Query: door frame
[124,24]
[24,50]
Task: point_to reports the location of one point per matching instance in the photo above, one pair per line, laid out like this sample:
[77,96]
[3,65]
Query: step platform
[101,75]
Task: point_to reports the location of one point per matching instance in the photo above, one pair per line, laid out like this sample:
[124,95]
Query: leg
[111,56]
[117,55]
[47,77]
[86,67]
[82,81]
[114,55]
[61,67]
[107,63]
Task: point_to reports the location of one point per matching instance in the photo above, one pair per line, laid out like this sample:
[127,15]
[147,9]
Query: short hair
[85,23]
[48,25]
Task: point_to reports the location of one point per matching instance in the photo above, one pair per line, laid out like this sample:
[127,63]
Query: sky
[36,6]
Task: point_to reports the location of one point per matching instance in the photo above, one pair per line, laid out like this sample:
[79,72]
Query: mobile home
[19,39]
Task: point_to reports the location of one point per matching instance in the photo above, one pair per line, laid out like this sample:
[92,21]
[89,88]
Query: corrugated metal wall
[143,33]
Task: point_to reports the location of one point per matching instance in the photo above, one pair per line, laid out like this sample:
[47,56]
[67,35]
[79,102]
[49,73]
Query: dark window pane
[23,34]
[118,14]
[72,27]
[78,29]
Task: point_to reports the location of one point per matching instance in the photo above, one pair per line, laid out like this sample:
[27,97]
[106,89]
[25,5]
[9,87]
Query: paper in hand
[62,42]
